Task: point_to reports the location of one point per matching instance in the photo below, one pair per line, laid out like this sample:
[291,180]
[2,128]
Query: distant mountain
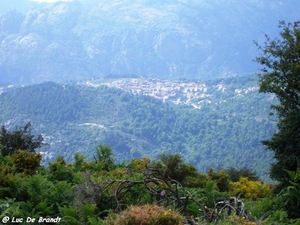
[219,123]
[179,38]
[23,6]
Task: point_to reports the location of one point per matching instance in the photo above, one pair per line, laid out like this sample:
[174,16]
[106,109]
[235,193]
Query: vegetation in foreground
[166,191]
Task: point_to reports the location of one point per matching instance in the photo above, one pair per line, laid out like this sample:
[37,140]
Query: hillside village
[190,93]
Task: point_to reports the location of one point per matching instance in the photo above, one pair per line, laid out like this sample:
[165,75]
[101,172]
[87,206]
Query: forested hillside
[225,131]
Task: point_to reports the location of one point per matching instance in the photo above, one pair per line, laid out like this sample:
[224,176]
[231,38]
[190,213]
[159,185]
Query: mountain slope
[72,40]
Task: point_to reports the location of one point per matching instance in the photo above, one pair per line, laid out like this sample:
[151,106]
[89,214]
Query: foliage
[236,174]
[236,220]
[85,214]
[21,138]
[104,157]
[36,196]
[26,162]
[166,191]
[280,76]
[121,187]
[263,208]
[249,189]
[139,164]
[221,178]
[60,170]
[195,180]
[79,162]
[81,193]
[6,167]
[174,168]
[291,194]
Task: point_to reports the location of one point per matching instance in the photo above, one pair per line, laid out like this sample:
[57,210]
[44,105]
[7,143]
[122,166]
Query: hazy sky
[50,0]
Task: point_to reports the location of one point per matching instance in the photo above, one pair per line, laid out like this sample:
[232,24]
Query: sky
[49,0]
[25,5]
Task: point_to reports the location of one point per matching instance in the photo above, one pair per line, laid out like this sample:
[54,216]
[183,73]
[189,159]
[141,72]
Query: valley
[217,123]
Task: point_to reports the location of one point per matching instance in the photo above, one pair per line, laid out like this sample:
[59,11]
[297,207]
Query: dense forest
[225,132]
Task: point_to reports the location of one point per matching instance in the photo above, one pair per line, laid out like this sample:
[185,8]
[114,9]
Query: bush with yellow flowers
[26,162]
[139,164]
[249,189]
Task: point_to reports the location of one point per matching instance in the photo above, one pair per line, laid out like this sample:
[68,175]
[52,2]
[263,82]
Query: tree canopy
[280,76]
[20,139]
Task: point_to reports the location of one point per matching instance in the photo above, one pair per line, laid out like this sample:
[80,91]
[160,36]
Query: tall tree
[20,139]
[281,76]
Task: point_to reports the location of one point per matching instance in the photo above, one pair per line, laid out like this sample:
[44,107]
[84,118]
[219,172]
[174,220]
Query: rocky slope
[183,38]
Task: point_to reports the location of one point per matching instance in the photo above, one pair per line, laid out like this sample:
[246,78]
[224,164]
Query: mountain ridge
[66,41]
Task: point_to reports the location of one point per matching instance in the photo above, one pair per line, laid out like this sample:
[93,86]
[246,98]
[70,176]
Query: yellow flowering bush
[140,164]
[249,189]
[26,162]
